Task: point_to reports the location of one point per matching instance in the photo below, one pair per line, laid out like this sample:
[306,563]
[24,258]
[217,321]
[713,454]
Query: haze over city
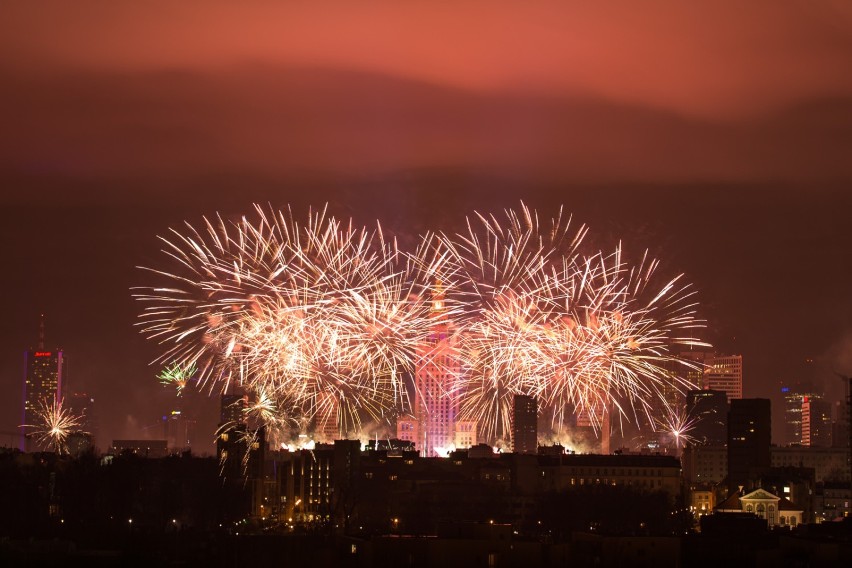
[717,137]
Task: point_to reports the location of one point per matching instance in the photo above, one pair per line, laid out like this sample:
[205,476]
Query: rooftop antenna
[41,333]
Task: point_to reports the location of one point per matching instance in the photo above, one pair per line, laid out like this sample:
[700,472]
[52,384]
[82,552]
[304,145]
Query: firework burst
[55,424]
[321,317]
[584,334]
[677,426]
[178,376]
[323,320]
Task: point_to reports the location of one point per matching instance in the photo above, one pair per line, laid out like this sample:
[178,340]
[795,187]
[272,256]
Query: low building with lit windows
[776,511]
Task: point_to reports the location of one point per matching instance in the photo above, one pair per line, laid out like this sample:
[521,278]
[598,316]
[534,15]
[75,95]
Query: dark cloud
[284,122]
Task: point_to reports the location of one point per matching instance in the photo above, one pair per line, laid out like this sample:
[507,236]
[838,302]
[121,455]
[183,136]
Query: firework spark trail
[584,334]
[56,423]
[325,318]
[678,424]
[177,375]
[302,310]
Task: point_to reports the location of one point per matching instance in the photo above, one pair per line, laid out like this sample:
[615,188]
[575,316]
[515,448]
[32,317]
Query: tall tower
[725,373]
[437,371]
[816,422]
[43,374]
[231,408]
[794,397]
[524,424]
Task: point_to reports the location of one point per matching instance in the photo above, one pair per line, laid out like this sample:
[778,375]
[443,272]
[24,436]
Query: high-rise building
[524,425]
[231,408]
[816,422]
[684,373]
[327,420]
[725,373]
[178,430]
[438,369]
[793,396]
[749,438]
[697,362]
[709,411]
[83,405]
[44,370]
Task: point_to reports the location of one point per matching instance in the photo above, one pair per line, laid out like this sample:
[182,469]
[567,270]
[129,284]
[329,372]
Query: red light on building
[42,353]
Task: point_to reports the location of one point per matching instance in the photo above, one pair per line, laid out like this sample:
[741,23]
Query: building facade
[829,464]
[725,373]
[44,371]
[524,424]
[231,408]
[776,511]
[816,422]
[437,371]
[749,438]
[705,464]
[709,410]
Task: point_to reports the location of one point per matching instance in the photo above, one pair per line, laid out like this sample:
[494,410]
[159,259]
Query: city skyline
[731,169]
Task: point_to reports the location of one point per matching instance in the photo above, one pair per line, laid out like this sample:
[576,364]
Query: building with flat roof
[816,422]
[749,438]
[524,424]
[725,373]
[44,371]
[709,411]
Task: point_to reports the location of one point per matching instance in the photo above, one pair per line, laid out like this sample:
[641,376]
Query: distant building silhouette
[816,422]
[44,371]
[793,396]
[142,448]
[231,408]
[725,373]
[83,404]
[524,425]
[178,430]
[749,439]
[709,410]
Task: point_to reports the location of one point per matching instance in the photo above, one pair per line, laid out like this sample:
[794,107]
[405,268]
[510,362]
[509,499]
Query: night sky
[718,136]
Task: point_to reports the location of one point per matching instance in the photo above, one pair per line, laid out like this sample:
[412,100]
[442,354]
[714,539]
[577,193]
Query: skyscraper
[83,405]
[749,439]
[43,374]
[524,425]
[709,410]
[816,422]
[435,412]
[231,408]
[725,373]
[793,397]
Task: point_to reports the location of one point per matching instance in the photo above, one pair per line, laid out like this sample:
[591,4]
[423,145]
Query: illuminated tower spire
[41,333]
[439,303]
[43,375]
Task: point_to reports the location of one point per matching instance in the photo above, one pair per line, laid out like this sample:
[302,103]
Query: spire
[439,304]
[438,297]
[41,333]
